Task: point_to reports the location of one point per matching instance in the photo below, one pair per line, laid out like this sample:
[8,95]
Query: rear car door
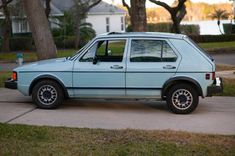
[151,63]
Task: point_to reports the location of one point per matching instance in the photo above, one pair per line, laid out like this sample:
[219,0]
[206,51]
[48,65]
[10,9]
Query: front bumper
[11,84]
[216,87]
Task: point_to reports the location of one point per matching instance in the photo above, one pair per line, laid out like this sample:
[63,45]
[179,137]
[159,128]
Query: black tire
[47,94]
[182,99]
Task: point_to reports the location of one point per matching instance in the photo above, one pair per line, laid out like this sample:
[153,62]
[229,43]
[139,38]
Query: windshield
[79,51]
[200,48]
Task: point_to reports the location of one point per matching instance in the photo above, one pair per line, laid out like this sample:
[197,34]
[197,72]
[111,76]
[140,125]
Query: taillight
[14,76]
[210,75]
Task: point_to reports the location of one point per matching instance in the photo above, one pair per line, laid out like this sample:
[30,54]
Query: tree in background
[6,26]
[40,29]
[220,14]
[81,8]
[177,13]
[137,12]
[67,29]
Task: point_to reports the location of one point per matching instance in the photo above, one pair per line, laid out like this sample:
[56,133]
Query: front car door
[100,71]
[151,63]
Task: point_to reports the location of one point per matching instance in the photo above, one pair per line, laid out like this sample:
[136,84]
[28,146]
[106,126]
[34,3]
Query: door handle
[116,67]
[169,67]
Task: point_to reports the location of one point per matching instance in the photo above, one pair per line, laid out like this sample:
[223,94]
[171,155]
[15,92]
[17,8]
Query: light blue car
[163,66]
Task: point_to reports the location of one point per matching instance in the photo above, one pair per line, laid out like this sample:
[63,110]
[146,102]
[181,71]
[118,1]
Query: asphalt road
[214,115]
[228,59]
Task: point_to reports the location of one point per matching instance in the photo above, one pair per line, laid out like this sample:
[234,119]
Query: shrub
[191,29]
[159,27]
[87,33]
[21,43]
[65,42]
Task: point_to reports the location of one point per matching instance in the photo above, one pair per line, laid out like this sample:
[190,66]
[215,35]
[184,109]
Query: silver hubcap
[182,99]
[47,94]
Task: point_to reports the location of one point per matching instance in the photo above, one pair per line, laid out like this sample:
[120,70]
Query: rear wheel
[182,99]
[47,94]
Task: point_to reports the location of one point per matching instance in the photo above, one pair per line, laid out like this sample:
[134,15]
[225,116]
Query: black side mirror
[95,60]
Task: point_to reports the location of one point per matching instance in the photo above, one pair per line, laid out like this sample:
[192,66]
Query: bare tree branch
[126,5]
[162,4]
[177,13]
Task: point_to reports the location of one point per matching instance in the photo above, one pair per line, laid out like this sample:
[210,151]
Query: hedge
[212,38]
[229,28]
[166,27]
[21,43]
[65,42]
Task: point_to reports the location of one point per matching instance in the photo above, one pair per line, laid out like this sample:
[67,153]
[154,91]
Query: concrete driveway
[214,115]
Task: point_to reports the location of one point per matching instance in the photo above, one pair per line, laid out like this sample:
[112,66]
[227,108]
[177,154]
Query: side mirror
[95,60]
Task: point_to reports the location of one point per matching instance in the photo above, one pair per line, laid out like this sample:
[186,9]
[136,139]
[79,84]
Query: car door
[100,71]
[151,63]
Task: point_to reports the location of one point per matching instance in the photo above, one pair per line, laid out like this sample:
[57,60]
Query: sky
[149,4]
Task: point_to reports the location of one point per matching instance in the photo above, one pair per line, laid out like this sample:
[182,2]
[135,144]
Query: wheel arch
[177,80]
[48,77]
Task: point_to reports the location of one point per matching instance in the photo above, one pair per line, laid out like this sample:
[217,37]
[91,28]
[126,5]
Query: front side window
[151,51]
[106,51]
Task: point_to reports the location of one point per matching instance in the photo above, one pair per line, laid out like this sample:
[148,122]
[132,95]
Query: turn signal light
[14,76]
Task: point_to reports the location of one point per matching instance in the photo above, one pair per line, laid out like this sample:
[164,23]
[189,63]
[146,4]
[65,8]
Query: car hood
[58,64]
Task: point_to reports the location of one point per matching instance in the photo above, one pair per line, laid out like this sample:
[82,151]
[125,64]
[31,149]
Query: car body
[124,65]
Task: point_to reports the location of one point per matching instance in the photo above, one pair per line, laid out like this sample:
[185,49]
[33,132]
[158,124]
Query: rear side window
[151,51]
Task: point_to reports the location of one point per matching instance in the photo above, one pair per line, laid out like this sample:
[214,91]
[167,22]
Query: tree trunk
[40,29]
[138,15]
[6,28]
[176,25]
[77,40]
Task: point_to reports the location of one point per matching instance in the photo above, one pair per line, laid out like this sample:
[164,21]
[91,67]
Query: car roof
[141,34]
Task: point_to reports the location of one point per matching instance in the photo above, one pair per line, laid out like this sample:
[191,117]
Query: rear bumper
[216,87]
[11,84]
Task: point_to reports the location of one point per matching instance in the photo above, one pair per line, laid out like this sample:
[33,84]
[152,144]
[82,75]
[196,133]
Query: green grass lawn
[33,140]
[217,45]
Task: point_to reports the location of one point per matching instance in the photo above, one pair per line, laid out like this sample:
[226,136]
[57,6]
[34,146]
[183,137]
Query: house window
[20,26]
[107,24]
[122,23]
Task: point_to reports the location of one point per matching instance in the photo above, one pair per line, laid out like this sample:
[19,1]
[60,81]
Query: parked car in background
[162,66]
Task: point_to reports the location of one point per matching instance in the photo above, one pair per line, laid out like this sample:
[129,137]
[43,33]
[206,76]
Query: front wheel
[47,94]
[182,99]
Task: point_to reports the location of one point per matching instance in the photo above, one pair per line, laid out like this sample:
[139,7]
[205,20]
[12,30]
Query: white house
[104,17]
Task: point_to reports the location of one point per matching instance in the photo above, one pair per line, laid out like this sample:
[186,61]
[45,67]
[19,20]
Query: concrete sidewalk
[214,115]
